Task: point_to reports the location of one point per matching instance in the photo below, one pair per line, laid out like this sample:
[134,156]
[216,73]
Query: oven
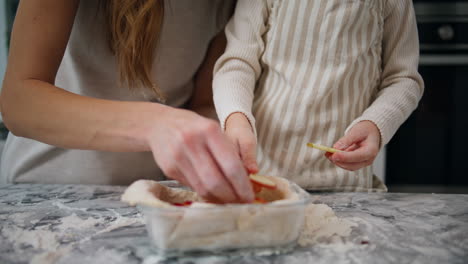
[429,153]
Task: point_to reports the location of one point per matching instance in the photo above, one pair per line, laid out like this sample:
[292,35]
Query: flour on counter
[74,229]
[40,238]
[321,224]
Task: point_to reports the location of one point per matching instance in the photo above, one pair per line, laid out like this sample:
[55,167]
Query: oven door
[429,151]
[430,148]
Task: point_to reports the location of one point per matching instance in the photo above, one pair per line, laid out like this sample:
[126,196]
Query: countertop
[88,224]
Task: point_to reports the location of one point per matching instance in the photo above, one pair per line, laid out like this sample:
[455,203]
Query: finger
[187,174]
[211,176]
[174,172]
[361,154]
[231,166]
[169,168]
[353,166]
[357,152]
[180,178]
[235,142]
[247,146]
[184,181]
[349,139]
[352,147]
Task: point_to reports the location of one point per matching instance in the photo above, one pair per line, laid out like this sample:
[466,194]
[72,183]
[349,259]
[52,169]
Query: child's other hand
[239,130]
[361,145]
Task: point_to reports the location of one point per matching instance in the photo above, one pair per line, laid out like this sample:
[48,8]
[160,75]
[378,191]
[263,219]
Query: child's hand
[239,130]
[361,146]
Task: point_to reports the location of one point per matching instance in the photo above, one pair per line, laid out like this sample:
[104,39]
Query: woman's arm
[33,107]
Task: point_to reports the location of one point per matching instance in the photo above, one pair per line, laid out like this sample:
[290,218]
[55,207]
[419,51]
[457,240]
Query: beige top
[306,71]
[89,68]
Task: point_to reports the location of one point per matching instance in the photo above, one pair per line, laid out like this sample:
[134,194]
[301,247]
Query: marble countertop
[88,224]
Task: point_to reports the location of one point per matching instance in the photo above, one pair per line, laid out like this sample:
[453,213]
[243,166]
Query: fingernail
[253,169]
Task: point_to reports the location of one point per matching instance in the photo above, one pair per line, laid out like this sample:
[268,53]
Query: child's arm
[401,89]
[236,73]
[241,133]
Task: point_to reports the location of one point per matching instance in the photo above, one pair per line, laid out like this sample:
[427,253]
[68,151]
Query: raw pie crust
[206,226]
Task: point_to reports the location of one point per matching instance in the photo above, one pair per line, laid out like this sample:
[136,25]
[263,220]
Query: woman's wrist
[150,121]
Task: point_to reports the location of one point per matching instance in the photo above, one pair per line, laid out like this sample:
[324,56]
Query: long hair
[134,28]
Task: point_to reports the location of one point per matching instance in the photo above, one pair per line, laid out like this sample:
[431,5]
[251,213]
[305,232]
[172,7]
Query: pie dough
[205,226]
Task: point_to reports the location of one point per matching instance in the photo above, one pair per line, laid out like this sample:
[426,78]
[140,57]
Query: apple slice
[262,181]
[256,187]
[323,148]
[186,203]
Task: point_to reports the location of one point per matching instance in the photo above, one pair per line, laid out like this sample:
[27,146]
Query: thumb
[248,153]
[349,139]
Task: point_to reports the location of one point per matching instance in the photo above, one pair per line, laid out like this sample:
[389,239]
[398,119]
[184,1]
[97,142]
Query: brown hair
[135,26]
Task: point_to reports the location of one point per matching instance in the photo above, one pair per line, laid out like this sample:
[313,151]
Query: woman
[81,90]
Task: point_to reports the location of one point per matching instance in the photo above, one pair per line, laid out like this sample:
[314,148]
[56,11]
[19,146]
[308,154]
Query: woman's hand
[193,150]
[239,130]
[361,146]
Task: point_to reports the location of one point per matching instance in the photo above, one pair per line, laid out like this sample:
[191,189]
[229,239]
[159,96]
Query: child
[341,73]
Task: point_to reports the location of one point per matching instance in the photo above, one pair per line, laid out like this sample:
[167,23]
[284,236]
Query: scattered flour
[321,224]
[50,256]
[74,222]
[70,228]
[39,238]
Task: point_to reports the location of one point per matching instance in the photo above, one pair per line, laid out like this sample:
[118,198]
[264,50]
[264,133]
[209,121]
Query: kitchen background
[428,152]
[7,13]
